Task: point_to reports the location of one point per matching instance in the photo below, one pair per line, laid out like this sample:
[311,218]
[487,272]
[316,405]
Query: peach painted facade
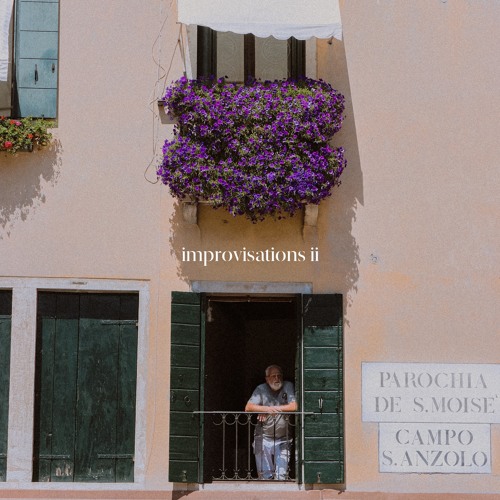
[410,238]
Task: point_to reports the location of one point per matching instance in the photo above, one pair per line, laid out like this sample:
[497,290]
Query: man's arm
[292,406]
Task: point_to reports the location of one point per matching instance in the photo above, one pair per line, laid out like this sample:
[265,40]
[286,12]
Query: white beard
[276,386]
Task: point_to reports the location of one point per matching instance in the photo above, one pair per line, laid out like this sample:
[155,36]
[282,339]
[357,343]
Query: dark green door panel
[323,389]
[184,400]
[323,448]
[97,399]
[183,471]
[327,472]
[323,401]
[5,327]
[185,356]
[184,459]
[125,418]
[57,346]
[86,386]
[185,334]
[320,380]
[322,424]
[185,377]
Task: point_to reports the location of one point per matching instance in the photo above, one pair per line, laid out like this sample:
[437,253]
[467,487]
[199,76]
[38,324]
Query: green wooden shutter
[36,57]
[86,386]
[127,388]
[97,389]
[184,462]
[5,326]
[323,389]
[55,388]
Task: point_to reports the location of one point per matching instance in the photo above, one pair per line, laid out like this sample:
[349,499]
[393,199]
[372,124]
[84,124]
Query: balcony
[229,449]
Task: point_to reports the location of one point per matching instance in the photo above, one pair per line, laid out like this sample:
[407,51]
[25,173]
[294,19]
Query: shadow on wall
[345,202]
[24,177]
[337,268]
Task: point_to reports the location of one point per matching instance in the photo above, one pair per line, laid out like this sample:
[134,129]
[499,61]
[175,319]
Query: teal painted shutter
[5,326]
[86,386]
[184,462]
[323,389]
[36,57]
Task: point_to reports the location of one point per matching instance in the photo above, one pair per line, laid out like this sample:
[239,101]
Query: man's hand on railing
[267,410]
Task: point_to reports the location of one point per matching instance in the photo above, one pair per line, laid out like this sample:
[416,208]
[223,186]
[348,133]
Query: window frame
[321,322]
[33,77]
[86,350]
[5,341]
[22,375]
[206,60]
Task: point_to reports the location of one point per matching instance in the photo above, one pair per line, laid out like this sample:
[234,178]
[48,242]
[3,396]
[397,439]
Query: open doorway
[243,335]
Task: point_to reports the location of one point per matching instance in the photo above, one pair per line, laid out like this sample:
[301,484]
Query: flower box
[23,134]
[256,150]
[190,212]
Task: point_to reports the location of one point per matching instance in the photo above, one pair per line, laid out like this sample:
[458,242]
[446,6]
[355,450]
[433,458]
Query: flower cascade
[256,150]
[23,134]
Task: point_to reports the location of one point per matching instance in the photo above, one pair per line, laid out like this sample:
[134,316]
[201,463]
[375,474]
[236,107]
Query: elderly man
[272,437]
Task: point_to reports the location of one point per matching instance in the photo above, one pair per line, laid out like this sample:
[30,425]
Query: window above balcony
[261,148]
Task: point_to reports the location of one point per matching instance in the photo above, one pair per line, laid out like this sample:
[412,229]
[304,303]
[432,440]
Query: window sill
[190,212]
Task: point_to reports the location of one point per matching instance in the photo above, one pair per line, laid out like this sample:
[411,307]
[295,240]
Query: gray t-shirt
[275,426]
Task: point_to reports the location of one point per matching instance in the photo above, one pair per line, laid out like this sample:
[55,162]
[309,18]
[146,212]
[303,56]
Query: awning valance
[281,19]
[5,15]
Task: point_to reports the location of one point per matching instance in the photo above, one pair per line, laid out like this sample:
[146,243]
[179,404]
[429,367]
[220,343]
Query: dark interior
[243,337]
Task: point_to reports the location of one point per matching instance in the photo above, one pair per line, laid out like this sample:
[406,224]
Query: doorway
[243,336]
[220,346]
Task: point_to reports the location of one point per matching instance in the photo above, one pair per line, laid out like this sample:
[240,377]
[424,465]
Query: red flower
[30,136]
[7,144]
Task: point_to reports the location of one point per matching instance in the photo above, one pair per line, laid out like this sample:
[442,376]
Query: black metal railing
[231,440]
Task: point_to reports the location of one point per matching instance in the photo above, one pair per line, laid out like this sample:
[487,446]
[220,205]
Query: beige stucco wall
[425,113]
[410,238]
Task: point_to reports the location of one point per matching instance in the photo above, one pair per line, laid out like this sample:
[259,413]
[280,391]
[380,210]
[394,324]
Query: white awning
[5,15]
[282,19]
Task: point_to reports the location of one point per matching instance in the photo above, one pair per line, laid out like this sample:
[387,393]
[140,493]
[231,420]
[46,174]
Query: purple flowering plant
[256,150]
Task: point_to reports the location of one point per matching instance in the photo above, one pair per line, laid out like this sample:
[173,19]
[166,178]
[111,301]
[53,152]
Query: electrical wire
[159,85]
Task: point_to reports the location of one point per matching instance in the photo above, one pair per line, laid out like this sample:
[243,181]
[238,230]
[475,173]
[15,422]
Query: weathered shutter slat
[127,375]
[46,374]
[323,389]
[185,387]
[65,350]
[97,389]
[36,57]
[56,363]
[5,327]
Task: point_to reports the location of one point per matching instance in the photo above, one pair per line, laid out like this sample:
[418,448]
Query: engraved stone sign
[421,392]
[433,418]
[434,448]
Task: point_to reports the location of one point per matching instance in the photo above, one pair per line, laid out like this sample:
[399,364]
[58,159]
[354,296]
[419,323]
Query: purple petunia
[259,149]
